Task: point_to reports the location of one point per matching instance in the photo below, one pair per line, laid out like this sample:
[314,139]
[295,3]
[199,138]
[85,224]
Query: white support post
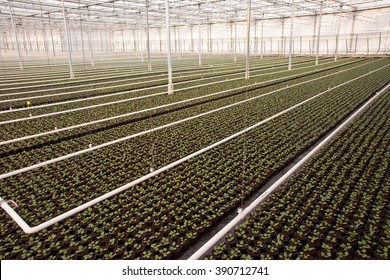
[282,39]
[352,31]
[192,38]
[255,41]
[262,36]
[140,38]
[318,35]
[168,34]
[45,41]
[379,42]
[300,45]
[231,37]
[148,36]
[199,37]
[68,42]
[90,40]
[356,40]
[291,36]
[314,33]
[52,40]
[25,41]
[248,33]
[235,36]
[178,37]
[160,39]
[101,39]
[338,35]
[208,38]
[16,35]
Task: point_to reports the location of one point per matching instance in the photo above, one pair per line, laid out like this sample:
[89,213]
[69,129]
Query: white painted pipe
[149,109]
[241,215]
[27,229]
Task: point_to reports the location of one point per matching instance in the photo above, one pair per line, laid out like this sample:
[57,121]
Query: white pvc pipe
[145,110]
[241,214]
[27,229]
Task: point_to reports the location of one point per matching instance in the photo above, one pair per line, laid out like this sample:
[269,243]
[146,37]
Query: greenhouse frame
[194,129]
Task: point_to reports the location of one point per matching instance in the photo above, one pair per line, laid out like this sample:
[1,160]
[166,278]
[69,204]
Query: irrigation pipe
[158,107]
[242,213]
[162,93]
[27,229]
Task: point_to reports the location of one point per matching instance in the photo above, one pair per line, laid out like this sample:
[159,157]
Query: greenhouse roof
[124,13]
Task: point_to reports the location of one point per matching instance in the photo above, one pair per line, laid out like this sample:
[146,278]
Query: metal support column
[255,42]
[140,45]
[168,34]
[248,33]
[208,38]
[178,37]
[319,34]
[68,41]
[52,40]
[90,40]
[16,35]
[352,31]
[199,37]
[314,33]
[291,36]
[148,36]
[338,35]
[160,39]
[101,39]
[235,36]
[262,36]
[282,46]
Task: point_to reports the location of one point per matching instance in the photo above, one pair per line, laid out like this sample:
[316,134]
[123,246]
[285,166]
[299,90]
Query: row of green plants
[19,129]
[60,73]
[137,75]
[143,89]
[25,153]
[161,217]
[336,207]
[117,85]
